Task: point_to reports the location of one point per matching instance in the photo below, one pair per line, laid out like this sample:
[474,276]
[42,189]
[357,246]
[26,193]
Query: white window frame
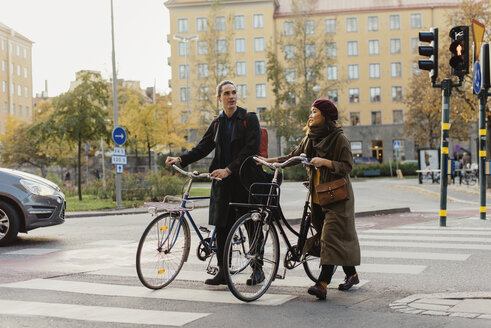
[183,48]
[222,69]
[395,46]
[289,51]
[201,24]
[183,71]
[242,91]
[260,67]
[397,93]
[221,46]
[203,70]
[220,23]
[202,48]
[372,23]
[259,45]
[241,68]
[396,69]
[288,28]
[331,49]
[258,21]
[332,73]
[395,22]
[330,25]
[239,22]
[415,20]
[354,95]
[182,25]
[333,95]
[353,72]
[261,90]
[183,95]
[290,75]
[351,24]
[240,45]
[375,94]
[374,70]
[310,50]
[394,116]
[309,26]
[352,48]
[373,47]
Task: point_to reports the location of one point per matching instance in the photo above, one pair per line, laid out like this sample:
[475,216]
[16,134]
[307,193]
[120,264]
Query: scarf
[322,141]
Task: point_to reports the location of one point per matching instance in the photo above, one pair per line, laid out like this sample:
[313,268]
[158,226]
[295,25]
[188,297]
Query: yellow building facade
[372,45]
[15,76]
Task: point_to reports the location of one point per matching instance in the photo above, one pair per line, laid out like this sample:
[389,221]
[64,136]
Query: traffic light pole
[446,85]
[483,96]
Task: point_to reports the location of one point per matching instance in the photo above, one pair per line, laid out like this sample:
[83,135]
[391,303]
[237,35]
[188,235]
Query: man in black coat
[234,135]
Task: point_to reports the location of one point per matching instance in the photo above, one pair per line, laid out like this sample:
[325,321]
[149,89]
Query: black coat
[245,142]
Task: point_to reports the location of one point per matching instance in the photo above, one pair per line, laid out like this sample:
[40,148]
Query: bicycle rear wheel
[256,249]
[163,249]
[311,263]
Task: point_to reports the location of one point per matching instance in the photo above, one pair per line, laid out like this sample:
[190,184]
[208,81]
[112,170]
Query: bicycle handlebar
[194,174]
[302,158]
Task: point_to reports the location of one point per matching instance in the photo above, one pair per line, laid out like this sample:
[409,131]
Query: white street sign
[119,160]
[119,168]
[120,151]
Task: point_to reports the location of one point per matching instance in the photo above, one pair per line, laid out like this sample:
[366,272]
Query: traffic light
[429,51]
[459,47]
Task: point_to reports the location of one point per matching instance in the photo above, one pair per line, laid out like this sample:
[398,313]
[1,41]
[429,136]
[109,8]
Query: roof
[13,32]
[326,6]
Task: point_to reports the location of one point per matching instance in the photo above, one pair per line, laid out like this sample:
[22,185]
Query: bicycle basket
[264,193]
[170,204]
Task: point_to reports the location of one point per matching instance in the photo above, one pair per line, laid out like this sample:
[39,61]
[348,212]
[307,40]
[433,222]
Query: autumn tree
[297,70]
[80,115]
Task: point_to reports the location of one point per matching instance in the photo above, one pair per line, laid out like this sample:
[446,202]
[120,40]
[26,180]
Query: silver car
[27,202]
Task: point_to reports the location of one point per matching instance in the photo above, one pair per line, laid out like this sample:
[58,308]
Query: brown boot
[318,290]
[349,282]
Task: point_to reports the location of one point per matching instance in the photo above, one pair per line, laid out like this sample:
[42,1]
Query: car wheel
[9,223]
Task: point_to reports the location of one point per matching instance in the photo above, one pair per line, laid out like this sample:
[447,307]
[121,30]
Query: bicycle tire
[311,264]
[260,248]
[162,250]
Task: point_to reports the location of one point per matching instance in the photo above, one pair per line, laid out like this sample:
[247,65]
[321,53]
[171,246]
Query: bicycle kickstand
[280,276]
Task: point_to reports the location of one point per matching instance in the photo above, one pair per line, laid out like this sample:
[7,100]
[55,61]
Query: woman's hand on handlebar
[319,161]
[172,160]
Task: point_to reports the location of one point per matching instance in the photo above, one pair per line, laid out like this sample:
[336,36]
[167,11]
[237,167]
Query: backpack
[263,144]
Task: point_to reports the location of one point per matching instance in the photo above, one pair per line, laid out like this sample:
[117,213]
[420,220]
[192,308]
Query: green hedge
[407,169]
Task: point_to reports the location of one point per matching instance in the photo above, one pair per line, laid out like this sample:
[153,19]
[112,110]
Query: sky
[73,35]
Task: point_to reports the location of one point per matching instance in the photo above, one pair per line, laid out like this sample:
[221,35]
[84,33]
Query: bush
[406,169]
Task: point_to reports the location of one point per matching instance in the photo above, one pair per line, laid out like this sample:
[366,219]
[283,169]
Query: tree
[80,115]
[297,71]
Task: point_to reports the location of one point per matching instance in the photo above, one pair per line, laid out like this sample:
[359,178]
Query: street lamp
[186,42]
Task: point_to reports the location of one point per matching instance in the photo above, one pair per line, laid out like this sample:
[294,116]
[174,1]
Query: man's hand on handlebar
[172,160]
[221,173]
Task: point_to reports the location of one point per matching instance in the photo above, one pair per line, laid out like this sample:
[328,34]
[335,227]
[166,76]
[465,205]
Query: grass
[92,203]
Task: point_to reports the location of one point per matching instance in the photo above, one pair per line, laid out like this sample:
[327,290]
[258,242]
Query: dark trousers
[328,271]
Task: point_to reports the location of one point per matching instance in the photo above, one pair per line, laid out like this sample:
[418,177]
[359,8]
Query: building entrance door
[378,150]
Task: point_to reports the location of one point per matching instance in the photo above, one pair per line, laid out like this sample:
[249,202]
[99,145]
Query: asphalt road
[81,273]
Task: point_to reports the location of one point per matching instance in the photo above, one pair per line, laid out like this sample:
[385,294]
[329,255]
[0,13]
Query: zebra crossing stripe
[426,238]
[180,294]
[415,255]
[99,313]
[430,232]
[33,251]
[377,243]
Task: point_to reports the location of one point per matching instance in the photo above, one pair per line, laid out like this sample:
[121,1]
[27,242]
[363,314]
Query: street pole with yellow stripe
[446,86]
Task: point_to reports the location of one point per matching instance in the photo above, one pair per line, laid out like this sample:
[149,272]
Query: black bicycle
[258,232]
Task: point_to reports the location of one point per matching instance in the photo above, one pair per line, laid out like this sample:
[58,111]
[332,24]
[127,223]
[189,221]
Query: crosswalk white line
[99,313]
[32,251]
[429,232]
[423,245]
[425,238]
[181,294]
[414,255]
[442,228]
[391,268]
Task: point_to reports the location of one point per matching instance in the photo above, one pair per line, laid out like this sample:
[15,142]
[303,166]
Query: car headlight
[37,188]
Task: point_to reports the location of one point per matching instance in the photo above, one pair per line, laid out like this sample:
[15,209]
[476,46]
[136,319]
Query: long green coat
[339,241]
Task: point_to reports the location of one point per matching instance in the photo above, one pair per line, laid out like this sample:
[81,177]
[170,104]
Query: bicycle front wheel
[252,251]
[163,249]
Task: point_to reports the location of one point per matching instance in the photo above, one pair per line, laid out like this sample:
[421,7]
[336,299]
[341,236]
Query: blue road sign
[119,135]
[397,144]
[119,168]
[476,82]
[457,148]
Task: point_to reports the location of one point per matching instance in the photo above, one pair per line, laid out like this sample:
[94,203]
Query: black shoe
[256,277]
[349,282]
[318,290]
[218,279]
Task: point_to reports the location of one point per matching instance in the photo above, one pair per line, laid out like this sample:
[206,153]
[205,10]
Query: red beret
[327,108]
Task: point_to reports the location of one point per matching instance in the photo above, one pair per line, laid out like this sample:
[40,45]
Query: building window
[332,73]
[309,27]
[5,107]
[221,46]
[375,94]
[352,48]
[394,22]
[333,96]
[397,94]
[25,56]
[239,22]
[17,48]
[351,24]
[331,49]
[242,91]
[372,23]
[260,113]
[396,69]
[4,44]
[414,45]
[240,68]
[240,45]
[222,69]
[12,109]
[395,46]
[415,69]
[19,90]
[310,50]
[260,67]
[353,72]
[26,92]
[258,20]
[310,74]
[415,21]
[288,28]
[4,65]
[291,98]
[261,90]
[183,95]
[330,25]
[354,95]
[202,70]
[397,116]
[183,71]
[289,51]
[182,25]
[354,118]
[183,49]
[12,88]
[220,23]
[202,47]
[373,47]
[374,71]
[203,93]
[27,111]
[201,24]
[19,70]
[4,86]
[20,110]
[290,75]
[376,117]
[259,44]
[25,72]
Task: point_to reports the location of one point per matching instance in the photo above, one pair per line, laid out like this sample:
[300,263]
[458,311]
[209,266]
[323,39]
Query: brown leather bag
[332,192]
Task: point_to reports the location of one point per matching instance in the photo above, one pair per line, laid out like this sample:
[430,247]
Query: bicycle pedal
[204,229]
[213,270]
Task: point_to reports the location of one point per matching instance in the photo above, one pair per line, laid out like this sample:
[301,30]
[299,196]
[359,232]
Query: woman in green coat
[331,154]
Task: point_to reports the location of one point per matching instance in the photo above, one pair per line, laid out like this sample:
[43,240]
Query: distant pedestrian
[97,176]
[67,176]
[466,160]
[458,172]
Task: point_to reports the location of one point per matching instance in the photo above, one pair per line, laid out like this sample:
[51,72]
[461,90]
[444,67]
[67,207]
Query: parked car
[27,202]
[365,160]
